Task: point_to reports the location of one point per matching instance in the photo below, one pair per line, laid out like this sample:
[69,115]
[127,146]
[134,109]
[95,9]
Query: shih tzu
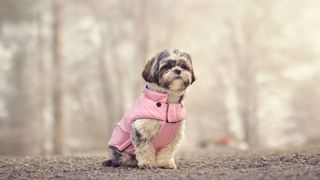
[149,132]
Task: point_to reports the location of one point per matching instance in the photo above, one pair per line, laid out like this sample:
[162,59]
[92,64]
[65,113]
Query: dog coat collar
[157,96]
[173,112]
[150,105]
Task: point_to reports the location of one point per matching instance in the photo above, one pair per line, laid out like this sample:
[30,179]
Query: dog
[149,132]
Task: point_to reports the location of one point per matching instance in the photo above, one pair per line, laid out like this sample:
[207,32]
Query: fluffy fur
[171,72]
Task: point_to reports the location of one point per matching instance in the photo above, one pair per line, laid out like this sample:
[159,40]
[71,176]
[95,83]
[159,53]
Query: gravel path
[290,165]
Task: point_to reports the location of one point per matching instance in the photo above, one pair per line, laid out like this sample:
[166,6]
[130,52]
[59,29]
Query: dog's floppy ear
[147,73]
[193,78]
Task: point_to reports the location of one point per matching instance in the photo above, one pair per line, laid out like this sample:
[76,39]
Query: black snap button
[158,104]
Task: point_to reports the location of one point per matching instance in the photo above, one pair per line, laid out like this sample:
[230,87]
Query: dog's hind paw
[110,163]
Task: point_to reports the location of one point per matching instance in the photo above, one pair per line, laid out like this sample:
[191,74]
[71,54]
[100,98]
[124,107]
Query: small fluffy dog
[149,132]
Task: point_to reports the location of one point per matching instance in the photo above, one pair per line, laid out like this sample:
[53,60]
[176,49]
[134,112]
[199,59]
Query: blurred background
[69,69]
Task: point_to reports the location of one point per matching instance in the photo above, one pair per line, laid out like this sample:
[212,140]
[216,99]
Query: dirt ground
[196,165]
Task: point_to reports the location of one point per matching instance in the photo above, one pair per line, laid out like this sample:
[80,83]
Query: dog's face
[170,69]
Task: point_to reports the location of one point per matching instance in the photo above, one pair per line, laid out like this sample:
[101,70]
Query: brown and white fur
[171,72]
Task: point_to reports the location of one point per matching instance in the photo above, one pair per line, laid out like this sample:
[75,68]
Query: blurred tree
[247,25]
[58,103]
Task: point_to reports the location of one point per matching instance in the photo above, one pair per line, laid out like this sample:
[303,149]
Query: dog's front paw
[166,164]
[147,165]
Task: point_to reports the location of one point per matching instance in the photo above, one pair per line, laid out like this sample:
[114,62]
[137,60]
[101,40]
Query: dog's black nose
[177,71]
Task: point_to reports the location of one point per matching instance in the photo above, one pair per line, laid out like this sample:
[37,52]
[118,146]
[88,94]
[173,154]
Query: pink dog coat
[150,105]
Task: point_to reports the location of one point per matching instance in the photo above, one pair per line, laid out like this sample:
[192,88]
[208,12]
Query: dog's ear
[147,73]
[188,56]
[193,78]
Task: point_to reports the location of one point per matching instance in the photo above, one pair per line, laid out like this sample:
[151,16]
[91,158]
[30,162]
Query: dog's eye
[184,66]
[169,65]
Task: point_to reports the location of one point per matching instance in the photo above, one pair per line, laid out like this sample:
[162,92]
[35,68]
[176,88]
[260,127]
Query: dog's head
[170,69]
